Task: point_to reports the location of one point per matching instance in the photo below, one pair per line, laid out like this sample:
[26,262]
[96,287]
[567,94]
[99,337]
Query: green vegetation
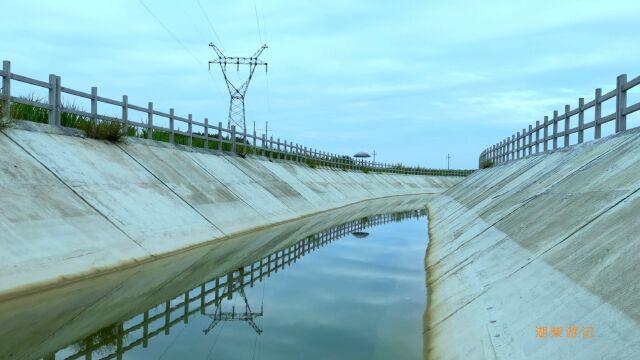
[115,132]
[102,130]
[105,340]
[486,163]
[4,122]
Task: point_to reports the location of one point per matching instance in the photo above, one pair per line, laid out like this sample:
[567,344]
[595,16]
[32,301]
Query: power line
[170,33]
[211,25]
[255,8]
[264,25]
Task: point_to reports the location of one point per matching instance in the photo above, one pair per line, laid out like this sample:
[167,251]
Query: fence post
[555,129]
[621,103]
[206,133]
[58,100]
[537,136]
[6,89]
[150,121]
[186,307]
[278,145]
[518,145]
[546,133]
[52,99]
[254,142]
[513,147]
[530,147]
[580,120]
[524,142]
[505,149]
[125,111]
[219,135]
[94,103]
[190,130]
[597,132]
[171,126]
[233,138]
[567,124]
[244,140]
[145,330]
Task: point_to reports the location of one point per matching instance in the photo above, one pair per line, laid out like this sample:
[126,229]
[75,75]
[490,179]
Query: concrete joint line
[576,231]
[78,195]
[475,236]
[171,190]
[453,313]
[222,184]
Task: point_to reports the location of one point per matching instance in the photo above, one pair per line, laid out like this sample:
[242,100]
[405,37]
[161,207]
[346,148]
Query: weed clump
[486,163]
[312,164]
[4,122]
[103,130]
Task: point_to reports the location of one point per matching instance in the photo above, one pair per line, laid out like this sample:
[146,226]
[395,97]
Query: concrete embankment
[34,326]
[72,206]
[524,254]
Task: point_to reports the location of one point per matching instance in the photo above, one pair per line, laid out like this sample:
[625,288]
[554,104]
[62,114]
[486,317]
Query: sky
[411,80]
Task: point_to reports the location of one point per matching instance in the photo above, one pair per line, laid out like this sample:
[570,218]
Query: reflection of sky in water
[352,299]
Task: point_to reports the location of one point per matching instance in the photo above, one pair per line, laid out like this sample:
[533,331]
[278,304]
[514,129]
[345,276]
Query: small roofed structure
[362,155]
[360,234]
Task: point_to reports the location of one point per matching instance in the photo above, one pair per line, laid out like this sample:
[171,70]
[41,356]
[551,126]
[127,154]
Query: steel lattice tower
[236,105]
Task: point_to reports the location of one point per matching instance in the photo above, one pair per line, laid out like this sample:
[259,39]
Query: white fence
[529,141]
[214,137]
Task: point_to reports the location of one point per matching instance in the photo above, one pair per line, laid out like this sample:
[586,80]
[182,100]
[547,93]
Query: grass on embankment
[102,130]
[114,131]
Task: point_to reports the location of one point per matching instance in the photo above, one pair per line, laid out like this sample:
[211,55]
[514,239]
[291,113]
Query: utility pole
[374,156]
[236,105]
[448,157]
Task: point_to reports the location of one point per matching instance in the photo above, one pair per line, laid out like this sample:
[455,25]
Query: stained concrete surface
[38,324]
[73,206]
[546,241]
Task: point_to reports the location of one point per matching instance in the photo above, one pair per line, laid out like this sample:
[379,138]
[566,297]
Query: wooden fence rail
[165,315]
[215,137]
[528,141]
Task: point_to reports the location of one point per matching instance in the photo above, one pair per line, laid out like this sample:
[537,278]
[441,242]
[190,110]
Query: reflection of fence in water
[111,340]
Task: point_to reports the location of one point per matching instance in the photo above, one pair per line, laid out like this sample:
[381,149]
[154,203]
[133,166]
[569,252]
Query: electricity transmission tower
[247,315]
[236,105]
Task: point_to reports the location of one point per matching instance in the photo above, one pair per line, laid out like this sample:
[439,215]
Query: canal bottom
[351,291]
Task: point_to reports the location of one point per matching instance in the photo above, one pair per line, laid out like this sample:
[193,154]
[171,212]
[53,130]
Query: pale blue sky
[413,80]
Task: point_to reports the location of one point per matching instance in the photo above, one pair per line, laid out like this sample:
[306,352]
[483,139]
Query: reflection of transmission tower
[236,106]
[248,315]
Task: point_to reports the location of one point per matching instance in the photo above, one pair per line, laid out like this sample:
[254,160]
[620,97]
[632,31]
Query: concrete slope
[73,206]
[33,326]
[550,241]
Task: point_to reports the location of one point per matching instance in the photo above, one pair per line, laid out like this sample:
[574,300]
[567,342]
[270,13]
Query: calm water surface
[357,296]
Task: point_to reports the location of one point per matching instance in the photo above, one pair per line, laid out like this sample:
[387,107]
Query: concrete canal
[343,284]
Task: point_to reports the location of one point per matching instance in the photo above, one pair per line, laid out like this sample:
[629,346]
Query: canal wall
[73,206]
[538,258]
[37,325]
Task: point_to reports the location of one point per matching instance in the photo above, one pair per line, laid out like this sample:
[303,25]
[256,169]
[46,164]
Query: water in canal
[353,291]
